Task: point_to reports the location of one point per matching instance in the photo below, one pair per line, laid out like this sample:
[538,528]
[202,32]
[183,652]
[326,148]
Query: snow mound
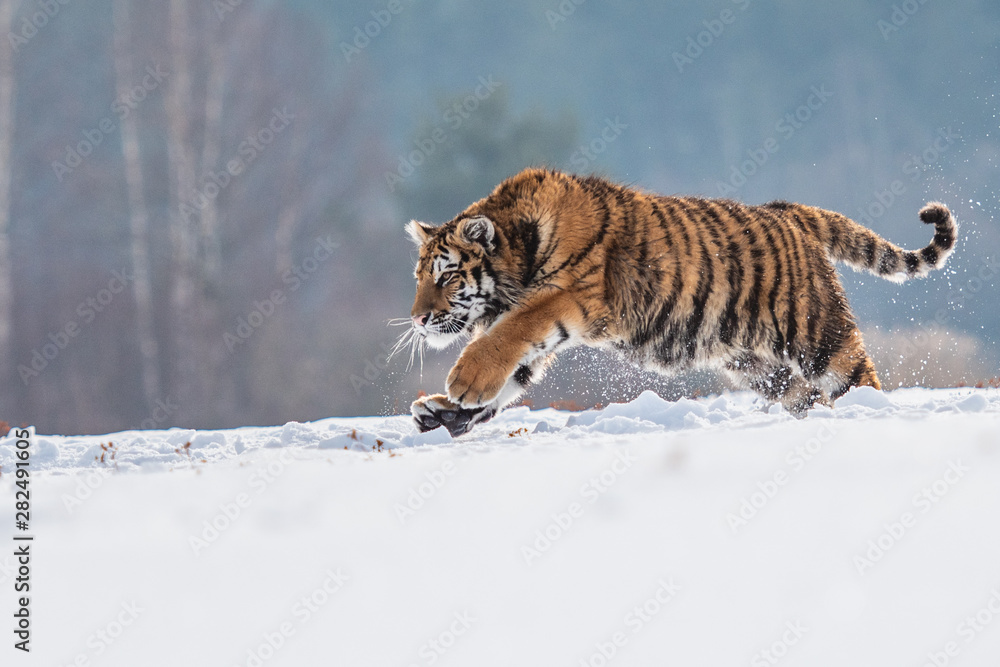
[866,397]
[646,414]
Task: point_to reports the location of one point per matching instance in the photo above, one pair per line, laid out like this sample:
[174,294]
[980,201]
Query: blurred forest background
[202,203]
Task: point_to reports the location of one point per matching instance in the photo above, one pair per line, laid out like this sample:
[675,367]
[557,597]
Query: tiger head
[457,280]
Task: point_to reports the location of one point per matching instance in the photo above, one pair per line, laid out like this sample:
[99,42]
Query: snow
[866,397]
[705,531]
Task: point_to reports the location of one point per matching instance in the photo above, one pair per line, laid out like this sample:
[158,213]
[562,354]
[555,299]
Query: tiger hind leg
[778,383]
[851,367]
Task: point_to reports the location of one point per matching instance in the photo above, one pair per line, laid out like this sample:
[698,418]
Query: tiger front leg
[430,412]
[482,370]
[521,339]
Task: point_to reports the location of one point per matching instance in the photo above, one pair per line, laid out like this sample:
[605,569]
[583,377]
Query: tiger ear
[479,230]
[418,231]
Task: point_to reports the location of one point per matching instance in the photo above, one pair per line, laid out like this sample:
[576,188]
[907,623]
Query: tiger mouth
[440,335]
[437,334]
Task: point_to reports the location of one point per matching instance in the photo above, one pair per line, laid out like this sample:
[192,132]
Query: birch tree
[138,212]
[187,381]
[7,85]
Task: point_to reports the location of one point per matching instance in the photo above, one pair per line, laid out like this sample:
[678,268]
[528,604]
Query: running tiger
[551,260]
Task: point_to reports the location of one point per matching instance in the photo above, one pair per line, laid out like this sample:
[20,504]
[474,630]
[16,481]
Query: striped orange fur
[552,260]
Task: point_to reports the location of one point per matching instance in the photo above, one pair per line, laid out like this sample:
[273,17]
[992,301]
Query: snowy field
[710,532]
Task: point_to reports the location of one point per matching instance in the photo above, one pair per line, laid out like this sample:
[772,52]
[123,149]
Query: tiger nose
[421,319]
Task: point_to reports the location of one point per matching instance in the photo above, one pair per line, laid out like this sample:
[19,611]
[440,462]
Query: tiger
[551,260]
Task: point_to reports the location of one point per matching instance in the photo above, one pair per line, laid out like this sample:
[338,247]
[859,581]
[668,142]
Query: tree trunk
[217,381]
[186,382]
[7,84]
[284,234]
[142,284]
[214,91]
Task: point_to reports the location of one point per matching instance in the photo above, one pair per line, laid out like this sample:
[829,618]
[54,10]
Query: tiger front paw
[477,377]
[430,412]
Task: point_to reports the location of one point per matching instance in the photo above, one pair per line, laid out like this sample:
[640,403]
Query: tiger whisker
[416,345]
[420,344]
[404,339]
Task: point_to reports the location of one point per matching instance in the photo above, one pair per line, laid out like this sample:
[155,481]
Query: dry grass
[918,358]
